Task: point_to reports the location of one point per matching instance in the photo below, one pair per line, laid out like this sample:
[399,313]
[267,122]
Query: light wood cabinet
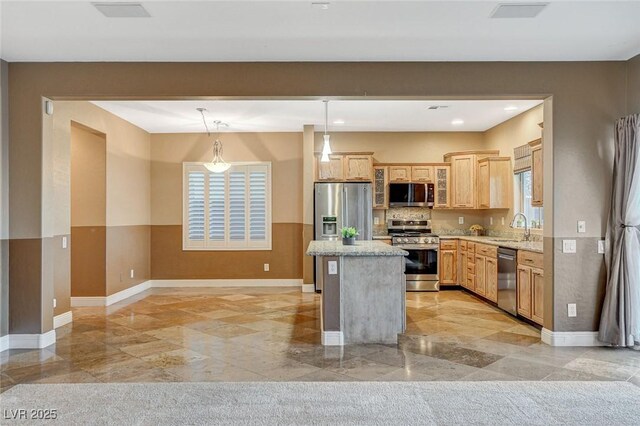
[380,187]
[422,174]
[491,272]
[481,279]
[523,294]
[358,167]
[399,173]
[495,183]
[537,296]
[331,171]
[442,187]
[537,173]
[463,181]
[462,262]
[448,265]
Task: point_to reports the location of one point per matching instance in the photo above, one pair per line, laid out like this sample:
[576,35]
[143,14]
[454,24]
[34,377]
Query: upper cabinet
[442,186]
[358,167]
[463,182]
[536,173]
[345,167]
[331,171]
[400,173]
[495,183]
[380,185]
[422,174]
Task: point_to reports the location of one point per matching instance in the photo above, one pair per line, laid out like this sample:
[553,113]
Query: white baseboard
[571,338]
[4,343]
[31,341]
[308,288]
[227,283]
[62,319]
[332,338]
[77,302]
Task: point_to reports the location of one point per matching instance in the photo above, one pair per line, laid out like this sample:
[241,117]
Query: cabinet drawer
[471,268]
[471,247]
[463,245]
[471,282]
[449,245]
[529,258]
[485,250]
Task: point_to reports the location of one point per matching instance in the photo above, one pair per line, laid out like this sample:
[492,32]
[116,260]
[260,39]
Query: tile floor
[255,334]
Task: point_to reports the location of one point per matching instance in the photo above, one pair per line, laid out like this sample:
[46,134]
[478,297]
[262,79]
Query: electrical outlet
[333,267]
[266,267]
[376,221]
[55,303]
[582,226]
[491,220]
[572,310]
[64,242]
[461,220]
[568,246]
[131,275]
[601,247]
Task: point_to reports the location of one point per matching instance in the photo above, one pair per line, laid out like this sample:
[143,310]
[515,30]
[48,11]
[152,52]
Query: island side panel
[331,318]
[373,298]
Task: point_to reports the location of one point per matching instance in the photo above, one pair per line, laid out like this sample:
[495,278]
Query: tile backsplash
[408,213]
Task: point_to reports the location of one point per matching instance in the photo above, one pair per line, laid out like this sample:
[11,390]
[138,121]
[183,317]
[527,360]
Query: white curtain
[620,320]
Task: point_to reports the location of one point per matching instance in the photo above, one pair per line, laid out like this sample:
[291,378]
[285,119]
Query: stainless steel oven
[421,270]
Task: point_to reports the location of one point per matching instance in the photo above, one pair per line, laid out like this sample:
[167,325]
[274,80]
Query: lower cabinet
[537,296]
[524,291]
[448,263]
[491,271]
[479,269]
[481,278]
[530,293]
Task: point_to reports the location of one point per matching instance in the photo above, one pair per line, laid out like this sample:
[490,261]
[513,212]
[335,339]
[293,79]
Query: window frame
[227,245]
[519,200]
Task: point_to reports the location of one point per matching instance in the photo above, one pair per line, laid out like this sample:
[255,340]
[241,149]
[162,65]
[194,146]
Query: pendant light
[326,147]
[217,164]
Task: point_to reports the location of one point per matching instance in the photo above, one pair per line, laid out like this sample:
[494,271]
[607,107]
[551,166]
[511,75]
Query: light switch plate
[582,226]
[572,310]
[601,247]
[266,267]
[131,274]
[461,220]
[333,267]
[55,303]
[568,246]
[64,242]
[491,220]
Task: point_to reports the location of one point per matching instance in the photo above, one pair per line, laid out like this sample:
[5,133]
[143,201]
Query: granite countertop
[495,241]
[362,248]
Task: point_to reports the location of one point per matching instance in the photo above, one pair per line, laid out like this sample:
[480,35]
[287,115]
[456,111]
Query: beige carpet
[444,403]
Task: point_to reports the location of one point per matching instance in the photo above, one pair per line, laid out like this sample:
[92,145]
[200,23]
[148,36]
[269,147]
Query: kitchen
[469,220]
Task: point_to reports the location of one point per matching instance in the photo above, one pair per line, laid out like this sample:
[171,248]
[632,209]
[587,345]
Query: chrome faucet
[527,231]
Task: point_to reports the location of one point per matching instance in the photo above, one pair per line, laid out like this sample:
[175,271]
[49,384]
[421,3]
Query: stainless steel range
[415,237]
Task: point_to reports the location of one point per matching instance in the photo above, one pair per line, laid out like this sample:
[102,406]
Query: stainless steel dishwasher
[507,280]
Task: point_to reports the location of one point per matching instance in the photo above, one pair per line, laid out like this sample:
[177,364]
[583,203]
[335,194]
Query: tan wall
[633,85]
[169,151]
[88,177]
[407,147]
[517,131]
[4,200]
[587,98]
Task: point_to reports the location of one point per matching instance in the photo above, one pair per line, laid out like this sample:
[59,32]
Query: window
[227,211]
[522,201]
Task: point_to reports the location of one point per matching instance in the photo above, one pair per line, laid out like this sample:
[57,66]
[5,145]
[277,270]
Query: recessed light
[457,122]
[511,108]
[320,5]
[338,121]
[122,10]
[433,107]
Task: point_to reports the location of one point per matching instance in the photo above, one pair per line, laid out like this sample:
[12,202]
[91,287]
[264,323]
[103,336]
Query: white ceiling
[295,31]
[291,115]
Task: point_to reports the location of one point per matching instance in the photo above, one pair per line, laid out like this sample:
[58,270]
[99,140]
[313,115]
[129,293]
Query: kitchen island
[363,295]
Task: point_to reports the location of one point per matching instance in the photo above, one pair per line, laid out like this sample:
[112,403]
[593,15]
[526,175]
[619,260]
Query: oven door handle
[403,247]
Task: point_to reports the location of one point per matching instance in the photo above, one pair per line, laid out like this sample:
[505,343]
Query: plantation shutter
[227,211]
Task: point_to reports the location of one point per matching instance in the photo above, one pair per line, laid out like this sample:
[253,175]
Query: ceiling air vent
[122,10]
[518,10]
[438,106]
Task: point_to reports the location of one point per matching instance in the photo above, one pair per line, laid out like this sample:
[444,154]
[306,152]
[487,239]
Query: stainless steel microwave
[411,194]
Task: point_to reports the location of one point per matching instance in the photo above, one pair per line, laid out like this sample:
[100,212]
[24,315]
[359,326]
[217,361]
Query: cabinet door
[492,279]
[358,167]
[462,270]
[524,291]
[448,267]
[422,174]
[399,173]
[484,192]
[380,187]
[481,283]
[536,176]
[442,187]
[537,296]
[331,171]
[463,170]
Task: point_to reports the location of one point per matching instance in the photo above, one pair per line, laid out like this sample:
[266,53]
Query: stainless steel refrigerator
[338,205]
